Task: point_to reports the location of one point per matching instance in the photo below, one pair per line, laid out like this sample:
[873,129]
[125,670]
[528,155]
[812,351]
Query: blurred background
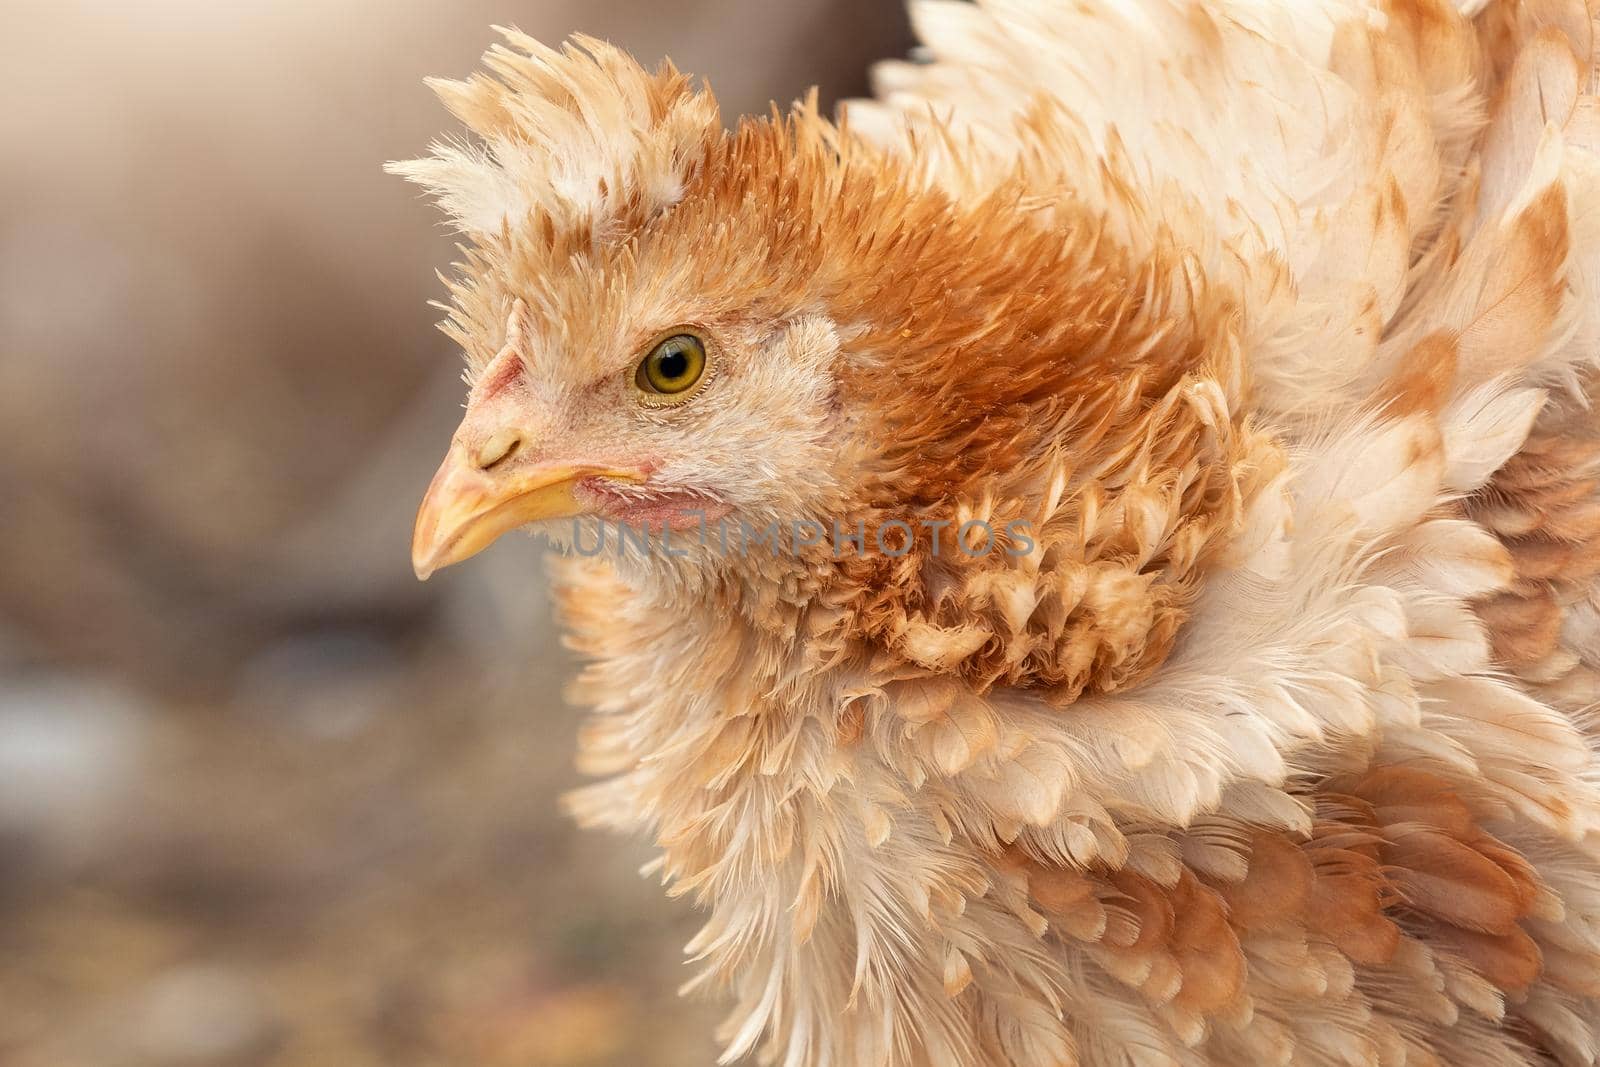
[264,799]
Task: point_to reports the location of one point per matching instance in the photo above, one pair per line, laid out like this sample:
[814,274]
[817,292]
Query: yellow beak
[466,508]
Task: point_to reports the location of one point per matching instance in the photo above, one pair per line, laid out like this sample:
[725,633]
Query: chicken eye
[673,366]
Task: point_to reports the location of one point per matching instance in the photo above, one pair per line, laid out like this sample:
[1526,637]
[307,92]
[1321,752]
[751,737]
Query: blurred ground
[264,800]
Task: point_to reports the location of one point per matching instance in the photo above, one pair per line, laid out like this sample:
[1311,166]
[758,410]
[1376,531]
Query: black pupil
[673,363]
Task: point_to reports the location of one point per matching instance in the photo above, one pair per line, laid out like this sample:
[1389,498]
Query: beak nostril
[498,447]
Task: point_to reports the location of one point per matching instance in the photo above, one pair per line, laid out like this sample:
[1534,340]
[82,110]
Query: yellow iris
[673,366]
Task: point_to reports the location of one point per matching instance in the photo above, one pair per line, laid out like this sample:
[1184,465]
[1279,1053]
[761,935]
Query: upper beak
[468,507]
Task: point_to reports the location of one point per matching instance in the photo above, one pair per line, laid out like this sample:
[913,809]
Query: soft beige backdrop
[264,800]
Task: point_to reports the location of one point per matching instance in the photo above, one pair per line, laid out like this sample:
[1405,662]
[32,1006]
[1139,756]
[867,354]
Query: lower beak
[466,509]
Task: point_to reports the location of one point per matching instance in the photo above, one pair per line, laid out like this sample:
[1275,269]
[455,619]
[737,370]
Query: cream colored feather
[1282,747]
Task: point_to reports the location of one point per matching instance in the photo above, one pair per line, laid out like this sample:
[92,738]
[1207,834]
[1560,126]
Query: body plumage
[1261,339]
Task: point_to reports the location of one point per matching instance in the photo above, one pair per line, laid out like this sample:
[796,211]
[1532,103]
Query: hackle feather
[1275,326]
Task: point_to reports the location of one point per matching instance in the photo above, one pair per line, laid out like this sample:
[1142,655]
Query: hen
[1092,558]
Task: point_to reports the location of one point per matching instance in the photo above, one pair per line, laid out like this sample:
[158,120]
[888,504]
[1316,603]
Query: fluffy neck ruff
[750,768]
[1104,459]
[796,732]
